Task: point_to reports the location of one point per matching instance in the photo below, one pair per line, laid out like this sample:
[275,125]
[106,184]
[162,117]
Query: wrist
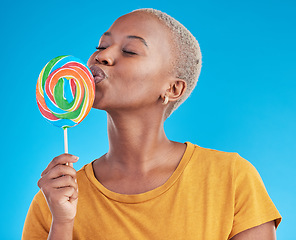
[61,230]
[60,222]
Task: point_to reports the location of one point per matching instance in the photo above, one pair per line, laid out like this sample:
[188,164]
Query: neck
[136,141]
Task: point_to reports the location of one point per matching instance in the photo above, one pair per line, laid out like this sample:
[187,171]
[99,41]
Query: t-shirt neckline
[142,197]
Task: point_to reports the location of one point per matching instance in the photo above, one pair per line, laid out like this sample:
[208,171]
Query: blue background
[244,101]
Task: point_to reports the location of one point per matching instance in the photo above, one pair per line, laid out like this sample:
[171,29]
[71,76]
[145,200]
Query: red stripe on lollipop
[73,87]
[45,113]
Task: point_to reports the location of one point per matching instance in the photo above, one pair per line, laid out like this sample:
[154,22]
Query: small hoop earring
[166,100]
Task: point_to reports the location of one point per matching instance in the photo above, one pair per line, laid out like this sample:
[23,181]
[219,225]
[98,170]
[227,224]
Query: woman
[146,186]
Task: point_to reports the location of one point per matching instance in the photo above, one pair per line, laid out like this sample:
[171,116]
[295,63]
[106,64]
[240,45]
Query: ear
[176,89]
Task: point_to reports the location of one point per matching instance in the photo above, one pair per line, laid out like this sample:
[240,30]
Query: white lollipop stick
[65,140]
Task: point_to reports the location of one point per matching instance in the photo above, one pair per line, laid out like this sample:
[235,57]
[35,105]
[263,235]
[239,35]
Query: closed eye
[100,48]
[128,52]
[123,50]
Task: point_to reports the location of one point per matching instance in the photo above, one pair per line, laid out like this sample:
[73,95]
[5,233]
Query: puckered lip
[98,73]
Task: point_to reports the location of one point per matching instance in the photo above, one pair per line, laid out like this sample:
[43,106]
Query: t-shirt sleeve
[253,206]
[38,220]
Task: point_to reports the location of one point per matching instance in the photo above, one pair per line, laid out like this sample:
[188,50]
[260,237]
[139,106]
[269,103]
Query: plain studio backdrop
[244,101]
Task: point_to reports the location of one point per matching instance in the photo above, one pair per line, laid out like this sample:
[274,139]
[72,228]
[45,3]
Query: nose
[105,57]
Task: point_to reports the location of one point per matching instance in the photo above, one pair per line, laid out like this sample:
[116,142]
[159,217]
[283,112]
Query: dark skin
[141,157]
[136,55]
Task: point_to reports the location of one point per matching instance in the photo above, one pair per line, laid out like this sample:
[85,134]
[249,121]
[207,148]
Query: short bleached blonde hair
[187,62]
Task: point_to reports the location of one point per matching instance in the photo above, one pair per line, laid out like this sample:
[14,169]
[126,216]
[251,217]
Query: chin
[98,106]
[98,103]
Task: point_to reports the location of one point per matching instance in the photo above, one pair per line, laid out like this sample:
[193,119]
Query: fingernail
[75,158]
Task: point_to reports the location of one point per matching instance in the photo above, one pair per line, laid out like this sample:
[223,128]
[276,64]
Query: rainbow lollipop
[65,92]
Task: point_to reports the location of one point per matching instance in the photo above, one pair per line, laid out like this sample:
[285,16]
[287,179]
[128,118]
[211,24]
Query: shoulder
[212,167]
[223,167]
[237,177]
[220,158]
[211,158]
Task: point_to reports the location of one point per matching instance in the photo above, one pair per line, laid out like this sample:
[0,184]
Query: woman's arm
[59,186]
[61,231]
[265,231]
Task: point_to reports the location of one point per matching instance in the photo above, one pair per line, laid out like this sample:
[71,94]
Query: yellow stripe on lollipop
[40,82]
[77,99]
[85,104]
[81,115]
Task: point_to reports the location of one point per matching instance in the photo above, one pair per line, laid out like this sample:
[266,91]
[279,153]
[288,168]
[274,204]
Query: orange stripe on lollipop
[55,76]
[39,92]
[88,84]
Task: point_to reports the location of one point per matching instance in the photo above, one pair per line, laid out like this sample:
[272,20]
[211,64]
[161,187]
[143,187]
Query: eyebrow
[130,37]
[137,37]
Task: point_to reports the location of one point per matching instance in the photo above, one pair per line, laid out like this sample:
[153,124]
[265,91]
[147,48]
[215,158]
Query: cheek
[145,83]
[149,70]
[139,79]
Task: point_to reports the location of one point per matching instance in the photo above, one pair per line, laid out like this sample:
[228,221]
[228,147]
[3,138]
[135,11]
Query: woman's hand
[59,186]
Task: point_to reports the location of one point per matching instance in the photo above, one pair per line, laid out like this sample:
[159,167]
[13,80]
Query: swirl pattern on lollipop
[65,91]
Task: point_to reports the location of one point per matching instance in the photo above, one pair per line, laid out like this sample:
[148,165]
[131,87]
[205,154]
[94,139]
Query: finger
[64,182]
[57,172]
[62,195]
[60,170]
[74,196]
[61,159]
[66,194]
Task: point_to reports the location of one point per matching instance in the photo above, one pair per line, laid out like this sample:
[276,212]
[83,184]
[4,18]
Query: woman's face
[135,56]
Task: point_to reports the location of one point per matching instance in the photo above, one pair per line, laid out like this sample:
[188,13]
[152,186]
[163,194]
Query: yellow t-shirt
[211,195]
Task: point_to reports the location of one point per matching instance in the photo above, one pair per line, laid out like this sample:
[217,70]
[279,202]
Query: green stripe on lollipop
[48,68]
[71,115]
[59,95]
